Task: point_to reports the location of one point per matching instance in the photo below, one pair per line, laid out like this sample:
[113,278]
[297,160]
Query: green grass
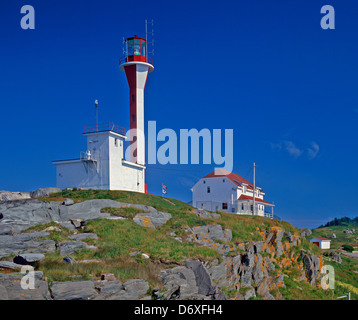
[119,238]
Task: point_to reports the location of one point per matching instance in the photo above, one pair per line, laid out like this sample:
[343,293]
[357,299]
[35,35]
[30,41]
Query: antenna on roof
[151,33]
[124,48]
[96,113]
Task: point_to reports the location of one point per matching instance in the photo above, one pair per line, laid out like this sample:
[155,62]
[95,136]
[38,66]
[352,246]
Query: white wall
[221,190]
[108,171]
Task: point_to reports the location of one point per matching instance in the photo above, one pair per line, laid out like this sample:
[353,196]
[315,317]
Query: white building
[102,165]
[222,190]
[322,243]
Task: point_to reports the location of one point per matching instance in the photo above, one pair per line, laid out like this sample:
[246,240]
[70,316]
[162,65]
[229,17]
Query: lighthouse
[103,165]
[136,64]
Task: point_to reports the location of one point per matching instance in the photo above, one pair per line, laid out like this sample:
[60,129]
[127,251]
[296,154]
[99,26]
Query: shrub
[348,247]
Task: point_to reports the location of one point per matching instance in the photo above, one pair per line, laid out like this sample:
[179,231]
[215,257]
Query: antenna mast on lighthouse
[151,33]
[96,113]
[253,207]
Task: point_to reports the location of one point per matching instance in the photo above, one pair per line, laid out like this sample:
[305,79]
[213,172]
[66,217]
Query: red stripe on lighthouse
[131,74]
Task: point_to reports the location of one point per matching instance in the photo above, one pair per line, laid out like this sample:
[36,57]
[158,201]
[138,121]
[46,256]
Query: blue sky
[266,69]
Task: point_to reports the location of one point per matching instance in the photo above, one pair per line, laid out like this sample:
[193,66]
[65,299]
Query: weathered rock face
[73,290]
[25,242]
[208,234]
[306,233]
[9,196]
[68,247]
[10,288]
[152,219]
[205,214]
[29,258]
[43,192]
[19,215]
[190,282]
[312,267]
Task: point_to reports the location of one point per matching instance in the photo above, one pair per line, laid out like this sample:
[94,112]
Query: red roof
[235,178]
[245,197]
[321,238]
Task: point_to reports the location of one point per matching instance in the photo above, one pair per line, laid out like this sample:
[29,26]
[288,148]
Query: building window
[208,189]
[242,206]
[116,142]
[223,180]
[224,205]
[204,181]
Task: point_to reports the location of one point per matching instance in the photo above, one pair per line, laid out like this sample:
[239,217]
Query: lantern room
[136,49]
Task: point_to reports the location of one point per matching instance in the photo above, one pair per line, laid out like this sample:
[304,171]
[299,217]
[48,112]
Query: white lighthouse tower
[136,66]
[103,165]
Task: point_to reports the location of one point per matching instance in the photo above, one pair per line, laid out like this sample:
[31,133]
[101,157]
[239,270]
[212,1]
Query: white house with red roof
[321,242]
[222,190]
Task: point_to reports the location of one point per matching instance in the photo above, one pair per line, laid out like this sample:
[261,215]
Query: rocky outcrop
[190,282]
[68,247]
[209,234]
[10,287]
[244,270]
[305,233]
[25,242]
[19,215]
[205,214]
[152,219]
[73,290]
[312,266]
[43,192]
[9,196]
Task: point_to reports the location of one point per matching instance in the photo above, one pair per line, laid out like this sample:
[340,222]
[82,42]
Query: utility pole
[253,198]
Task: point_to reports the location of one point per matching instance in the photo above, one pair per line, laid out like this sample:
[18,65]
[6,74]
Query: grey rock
[336,256]
[19,215]
[205,214]
[68,202]
[26,242]
[107,288]
[202,277]
[306,233]
[250,293]
[132,290]
[68,247]
[10,196]
[10,288]
[10,265]
[73,290]
[278,249]
[68,225]
[136,286]
[179,282]
[333,236]
[108,277]
[258,246]
[258,272]
[206,235]
[77,224]
[289,236]
[5,230]
[68,260]
[83,236]
[152,219]
[43,192]
[29,258]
